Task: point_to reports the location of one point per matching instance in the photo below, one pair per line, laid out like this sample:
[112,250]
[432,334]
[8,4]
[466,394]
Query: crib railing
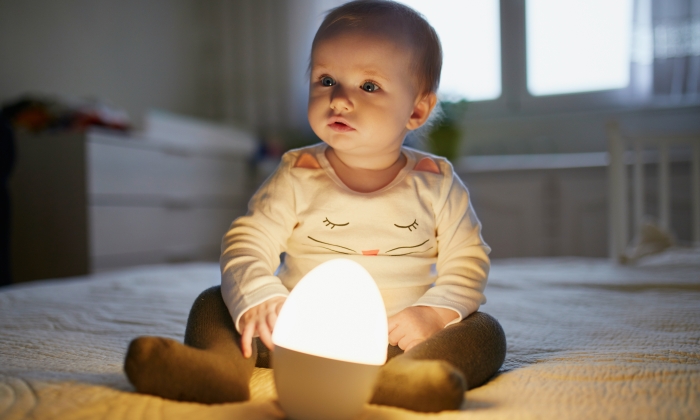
[627,150]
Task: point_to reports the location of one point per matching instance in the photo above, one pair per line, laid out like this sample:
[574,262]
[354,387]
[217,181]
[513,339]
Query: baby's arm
[259,319]
[250,255]
[462,269]
[415,324]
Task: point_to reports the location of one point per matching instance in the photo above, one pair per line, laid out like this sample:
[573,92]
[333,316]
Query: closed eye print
[332,225]
[410,227]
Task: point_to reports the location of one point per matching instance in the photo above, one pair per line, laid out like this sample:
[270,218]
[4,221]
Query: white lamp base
[316,388]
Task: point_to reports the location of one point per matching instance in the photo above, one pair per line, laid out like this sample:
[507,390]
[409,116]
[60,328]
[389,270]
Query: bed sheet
[586,339]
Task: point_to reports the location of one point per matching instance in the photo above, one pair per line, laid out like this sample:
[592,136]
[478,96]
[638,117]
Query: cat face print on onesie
[335,221]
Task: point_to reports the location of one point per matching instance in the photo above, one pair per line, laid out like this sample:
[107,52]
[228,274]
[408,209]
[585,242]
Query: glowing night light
[330,339]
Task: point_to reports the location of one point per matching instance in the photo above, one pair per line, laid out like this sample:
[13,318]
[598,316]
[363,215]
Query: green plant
[444,137]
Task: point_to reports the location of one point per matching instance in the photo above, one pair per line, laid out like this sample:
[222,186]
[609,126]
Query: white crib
[627,150]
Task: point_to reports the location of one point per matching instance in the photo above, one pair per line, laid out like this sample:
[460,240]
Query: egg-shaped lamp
[330,340]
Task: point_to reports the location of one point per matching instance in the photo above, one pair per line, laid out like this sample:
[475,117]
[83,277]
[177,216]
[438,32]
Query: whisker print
[337,252]
[408,253]
[326,243]
[414,246]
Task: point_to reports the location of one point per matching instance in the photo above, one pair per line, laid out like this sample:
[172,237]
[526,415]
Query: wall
[135,54]
[542,212]
[241,61]
[579,131]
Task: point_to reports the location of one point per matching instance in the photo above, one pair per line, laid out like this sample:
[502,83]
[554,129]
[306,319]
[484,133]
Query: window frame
[515,97]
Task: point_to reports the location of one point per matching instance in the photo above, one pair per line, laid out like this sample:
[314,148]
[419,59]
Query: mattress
[586,339]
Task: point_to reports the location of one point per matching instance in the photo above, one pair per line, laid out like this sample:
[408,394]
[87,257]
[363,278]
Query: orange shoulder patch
[427,165]
[306,160]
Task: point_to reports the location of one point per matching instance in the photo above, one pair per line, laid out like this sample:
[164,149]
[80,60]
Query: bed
[586,339]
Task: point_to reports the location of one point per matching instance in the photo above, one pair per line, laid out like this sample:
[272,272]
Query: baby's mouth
[340,127]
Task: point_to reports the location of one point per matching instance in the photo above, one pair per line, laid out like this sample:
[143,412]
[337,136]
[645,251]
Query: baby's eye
[327,81]
[370,87]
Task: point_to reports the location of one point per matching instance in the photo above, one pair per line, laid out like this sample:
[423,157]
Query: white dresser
[100,200]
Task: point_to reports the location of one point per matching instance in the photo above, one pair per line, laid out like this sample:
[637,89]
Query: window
[577,45]
[470,35]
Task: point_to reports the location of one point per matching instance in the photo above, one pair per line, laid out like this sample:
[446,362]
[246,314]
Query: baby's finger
[265,335]
[392,324]
[271,321]
[395,336]
[412,344]
[247,339]
[404,342]
[278,308]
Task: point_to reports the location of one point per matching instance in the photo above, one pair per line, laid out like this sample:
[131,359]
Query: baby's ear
[308,161]
[421,111]
[427,165]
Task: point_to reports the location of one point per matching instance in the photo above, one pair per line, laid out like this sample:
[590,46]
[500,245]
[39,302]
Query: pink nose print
[371,252]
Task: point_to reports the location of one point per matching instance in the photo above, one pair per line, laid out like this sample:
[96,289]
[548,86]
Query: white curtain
[266,50]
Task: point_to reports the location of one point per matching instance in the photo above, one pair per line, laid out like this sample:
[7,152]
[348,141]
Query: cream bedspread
[586,339]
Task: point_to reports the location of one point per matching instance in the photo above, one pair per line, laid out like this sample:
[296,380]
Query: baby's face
[362,93]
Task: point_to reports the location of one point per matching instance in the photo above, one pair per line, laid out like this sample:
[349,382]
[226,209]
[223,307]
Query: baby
[402,214]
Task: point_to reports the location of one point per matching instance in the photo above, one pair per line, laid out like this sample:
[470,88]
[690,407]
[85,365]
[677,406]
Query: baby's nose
[340,101]
[371,252]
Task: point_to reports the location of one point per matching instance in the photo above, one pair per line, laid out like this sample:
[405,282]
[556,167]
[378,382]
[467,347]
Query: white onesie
[418,237]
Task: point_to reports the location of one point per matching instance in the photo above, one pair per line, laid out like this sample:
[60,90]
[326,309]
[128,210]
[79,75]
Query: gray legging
[476,346]
[210,367]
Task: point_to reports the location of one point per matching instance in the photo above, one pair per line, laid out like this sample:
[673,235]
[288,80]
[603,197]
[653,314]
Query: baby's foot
[169,369]
[420,385]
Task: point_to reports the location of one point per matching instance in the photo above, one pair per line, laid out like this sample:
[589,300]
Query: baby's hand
[415,324]
[261,319]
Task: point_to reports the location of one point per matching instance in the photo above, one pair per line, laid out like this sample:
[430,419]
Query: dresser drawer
[123,169]
[103,200]
[118,230]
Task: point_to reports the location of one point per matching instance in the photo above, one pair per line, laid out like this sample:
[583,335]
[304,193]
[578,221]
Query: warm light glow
[336,312]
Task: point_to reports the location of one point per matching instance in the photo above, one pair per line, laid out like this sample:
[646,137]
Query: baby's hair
[399,23]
